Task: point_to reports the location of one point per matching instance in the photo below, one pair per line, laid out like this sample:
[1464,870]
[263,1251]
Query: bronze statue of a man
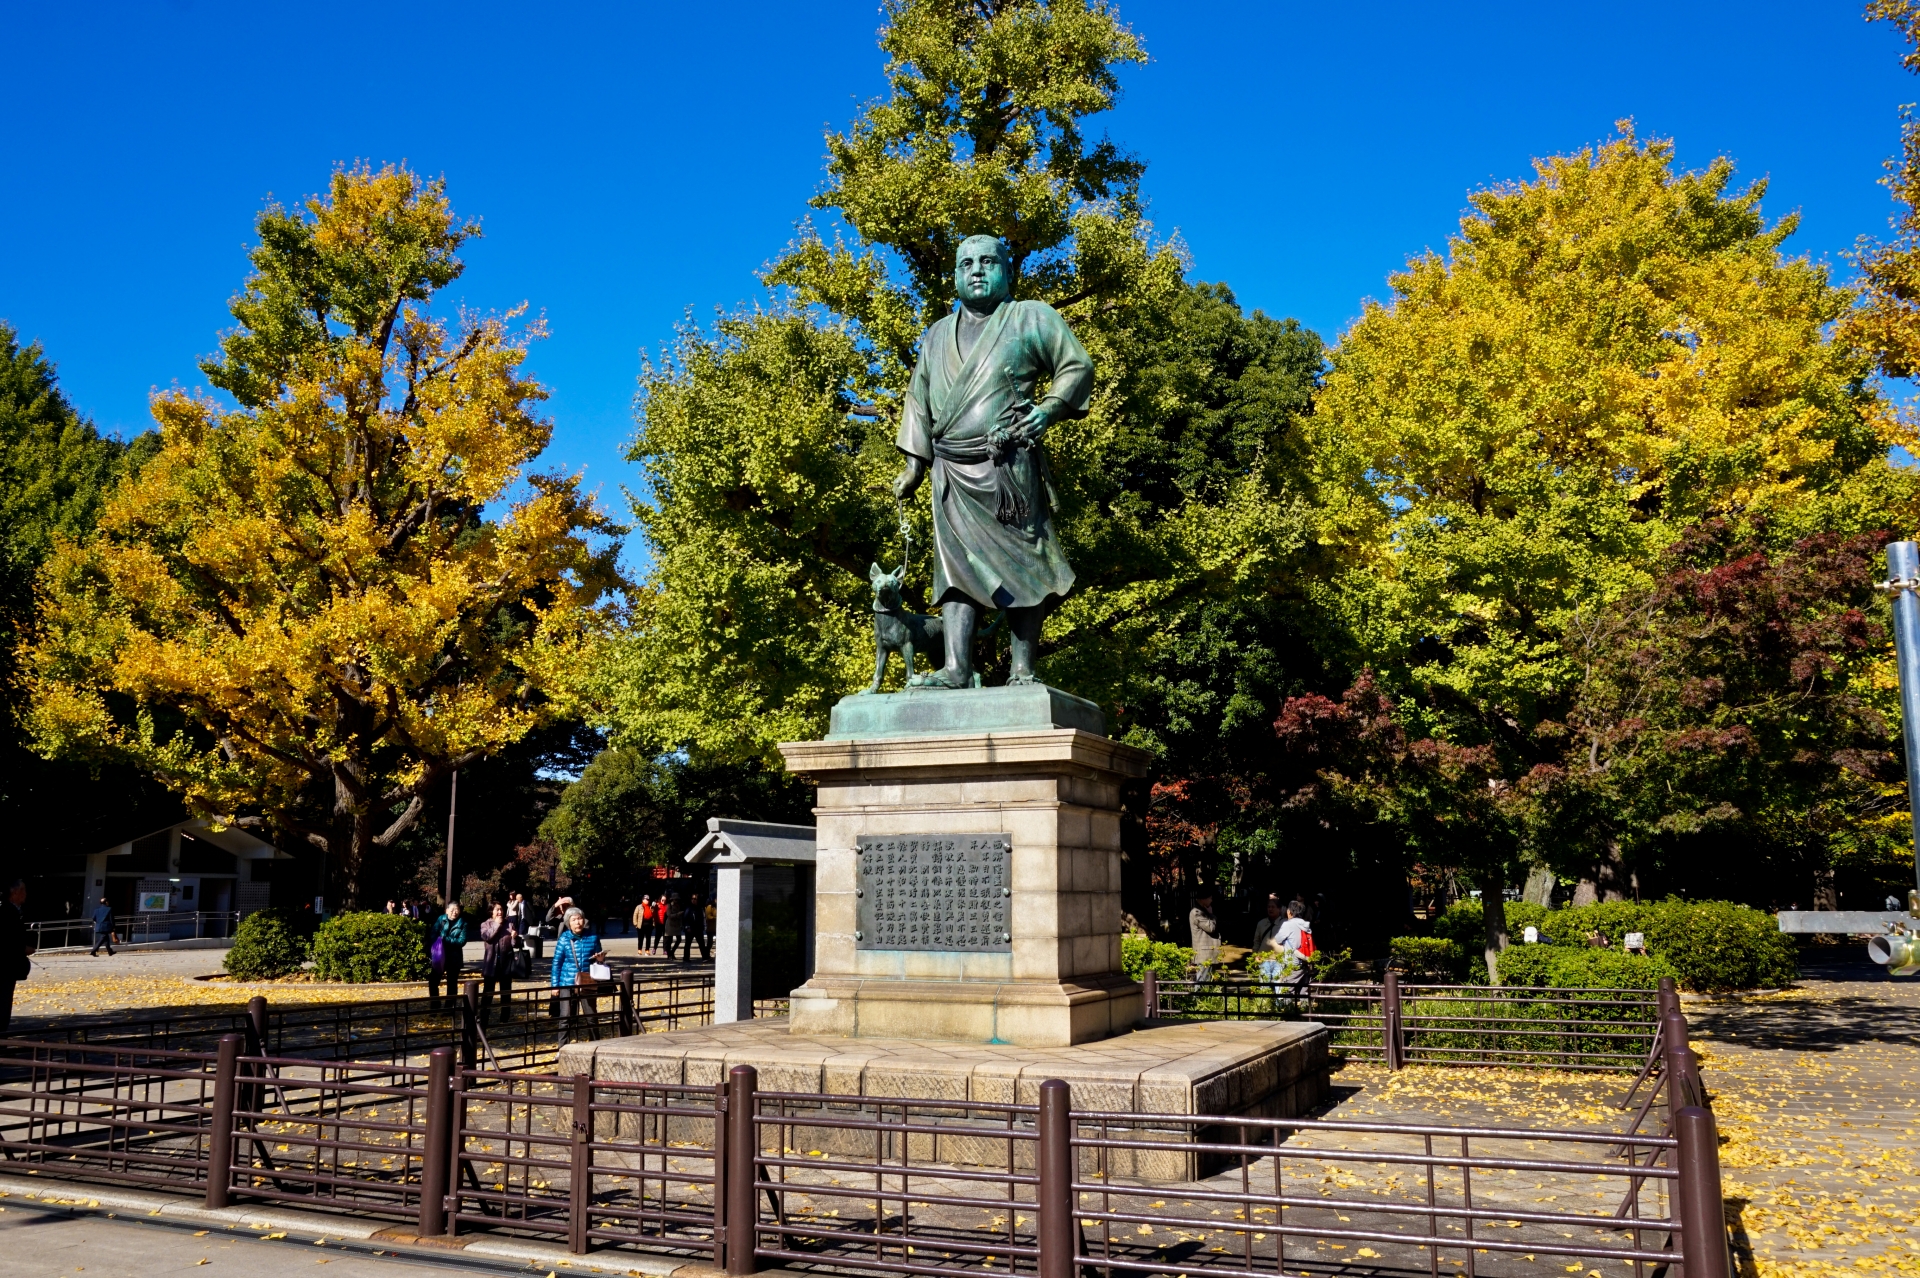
[970,417]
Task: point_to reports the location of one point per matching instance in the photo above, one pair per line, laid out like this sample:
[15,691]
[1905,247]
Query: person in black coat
[14,948]
[102,928]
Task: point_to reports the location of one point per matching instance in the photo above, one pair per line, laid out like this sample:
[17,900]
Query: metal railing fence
[49,935]
[1609,1030]
[933,1187]
[515,1030]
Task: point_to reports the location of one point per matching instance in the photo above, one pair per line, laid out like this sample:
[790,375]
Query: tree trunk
[1493,909]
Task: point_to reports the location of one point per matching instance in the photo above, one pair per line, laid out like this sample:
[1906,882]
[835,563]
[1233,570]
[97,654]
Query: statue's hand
[909,479]
[1033,426]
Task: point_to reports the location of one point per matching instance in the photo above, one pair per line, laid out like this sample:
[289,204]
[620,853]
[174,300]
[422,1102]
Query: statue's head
[981,271]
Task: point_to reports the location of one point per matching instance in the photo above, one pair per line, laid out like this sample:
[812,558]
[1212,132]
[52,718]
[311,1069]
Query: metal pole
[1903,579]
[257,1026]
[743,1214]
[226,1070]
[1150,992]
[1703,1221]
[1390,1020]
[1054,1198]
[580,1186]
[469,1024]
[438,1144]
[627,1027]
[453,810]
[1683,1080]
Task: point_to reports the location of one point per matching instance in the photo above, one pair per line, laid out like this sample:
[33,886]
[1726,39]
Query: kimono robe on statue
[993,538]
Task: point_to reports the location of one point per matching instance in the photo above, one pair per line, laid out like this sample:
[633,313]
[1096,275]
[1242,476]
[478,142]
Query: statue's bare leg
[1024,623]
[958,617]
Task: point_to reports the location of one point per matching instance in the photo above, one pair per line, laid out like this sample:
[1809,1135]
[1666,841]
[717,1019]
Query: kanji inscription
[934,892]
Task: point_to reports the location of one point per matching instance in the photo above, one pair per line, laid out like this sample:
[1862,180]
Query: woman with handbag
[576,952]
[446,954]
[496,966]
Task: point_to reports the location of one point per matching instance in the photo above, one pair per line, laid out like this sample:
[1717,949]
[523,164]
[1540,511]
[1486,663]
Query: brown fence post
[1683,1078]
[456,1149]
[1703,1221]
[580,1186]
[226,1073]
[1054,1198]
[257,1026]
[720,1181]
[1150,992]
[627,1027]
[743,1147]
[469,1024]
[438,1143]
[1391,1040]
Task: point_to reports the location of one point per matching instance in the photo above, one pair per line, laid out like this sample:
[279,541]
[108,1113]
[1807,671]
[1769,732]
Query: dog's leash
[906,537]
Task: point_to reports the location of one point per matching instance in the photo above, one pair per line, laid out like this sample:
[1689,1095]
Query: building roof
[730,842]
[233,841]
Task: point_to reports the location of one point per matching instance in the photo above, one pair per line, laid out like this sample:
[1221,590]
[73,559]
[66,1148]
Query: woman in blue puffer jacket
[574,953]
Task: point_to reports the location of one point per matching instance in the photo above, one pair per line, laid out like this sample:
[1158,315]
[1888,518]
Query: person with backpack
[1285,944]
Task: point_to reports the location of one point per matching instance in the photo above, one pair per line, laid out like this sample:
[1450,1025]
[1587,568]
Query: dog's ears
[875,573]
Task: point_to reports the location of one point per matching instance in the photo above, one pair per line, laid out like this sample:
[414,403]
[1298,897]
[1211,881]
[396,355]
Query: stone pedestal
[1055,790]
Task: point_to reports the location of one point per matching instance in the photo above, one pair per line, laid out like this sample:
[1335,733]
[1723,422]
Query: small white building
[183,868]
[764,885]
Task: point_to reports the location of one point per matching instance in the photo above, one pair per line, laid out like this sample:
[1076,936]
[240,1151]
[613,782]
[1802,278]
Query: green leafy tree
[630,811]
[56,470]
[1606,355]
[767,443]
[300,612]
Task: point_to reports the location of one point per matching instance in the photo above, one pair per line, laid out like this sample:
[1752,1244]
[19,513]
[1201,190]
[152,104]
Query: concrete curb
[137,1205]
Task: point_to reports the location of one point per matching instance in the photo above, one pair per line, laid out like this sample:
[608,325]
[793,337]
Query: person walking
[575,951]
[707,919]
[669,908]
[102,929]
[446,953]
[642,923]
[1206,934]
[15,946]
[496,964]
[691,923]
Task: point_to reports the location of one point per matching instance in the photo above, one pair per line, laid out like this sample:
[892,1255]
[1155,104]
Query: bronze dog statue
[897,630]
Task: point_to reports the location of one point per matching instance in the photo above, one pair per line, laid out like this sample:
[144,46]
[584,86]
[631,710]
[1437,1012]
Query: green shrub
[1584,968]
[264,946]
[366,947]
[1717,945]
[1169,962]
[1709,945]
[1428,958]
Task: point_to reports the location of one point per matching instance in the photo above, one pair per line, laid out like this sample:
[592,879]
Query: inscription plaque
[934,892]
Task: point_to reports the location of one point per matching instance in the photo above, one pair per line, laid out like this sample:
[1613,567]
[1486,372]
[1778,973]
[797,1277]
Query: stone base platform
[1249,1069]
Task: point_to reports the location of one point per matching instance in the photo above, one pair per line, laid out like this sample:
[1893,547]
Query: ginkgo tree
[301,612]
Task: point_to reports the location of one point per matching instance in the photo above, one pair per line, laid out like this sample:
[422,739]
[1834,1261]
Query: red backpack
[1306,942]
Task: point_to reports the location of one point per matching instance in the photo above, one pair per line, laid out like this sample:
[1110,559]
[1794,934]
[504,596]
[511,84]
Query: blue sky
[630,162]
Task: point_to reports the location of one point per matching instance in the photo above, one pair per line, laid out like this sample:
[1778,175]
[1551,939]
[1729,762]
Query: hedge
[368,947]
[1586,968]
[1169,962]
[1710,945]
[1428,958]
[264,946]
